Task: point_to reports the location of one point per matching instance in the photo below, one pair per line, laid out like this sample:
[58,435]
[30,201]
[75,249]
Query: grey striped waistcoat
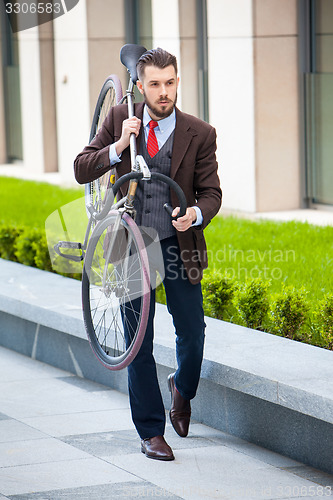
[151,195]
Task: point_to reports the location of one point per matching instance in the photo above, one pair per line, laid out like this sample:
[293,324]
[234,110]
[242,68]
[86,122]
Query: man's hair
[156,57]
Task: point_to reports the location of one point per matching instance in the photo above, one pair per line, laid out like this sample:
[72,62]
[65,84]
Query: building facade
[260,71]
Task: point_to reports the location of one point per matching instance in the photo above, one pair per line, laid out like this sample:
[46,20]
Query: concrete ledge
[268,390]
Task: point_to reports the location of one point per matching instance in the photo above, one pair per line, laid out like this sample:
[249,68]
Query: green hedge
[29,247]
[287,313]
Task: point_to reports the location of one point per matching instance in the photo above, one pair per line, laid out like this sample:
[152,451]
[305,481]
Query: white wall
[231,98]
[72,86]
[31,104]
[165,21]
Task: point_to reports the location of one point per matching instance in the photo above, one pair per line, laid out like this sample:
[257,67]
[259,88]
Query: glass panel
[145,24]
[323,36]
[319,91]
[12,96]
[13,108]
[138,22]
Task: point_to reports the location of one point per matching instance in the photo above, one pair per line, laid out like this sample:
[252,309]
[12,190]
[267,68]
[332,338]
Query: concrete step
[265,389]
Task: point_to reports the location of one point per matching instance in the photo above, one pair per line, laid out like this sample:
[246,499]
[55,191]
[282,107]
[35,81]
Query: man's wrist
[113,155]
[198,216]
[119,147]
[193,215]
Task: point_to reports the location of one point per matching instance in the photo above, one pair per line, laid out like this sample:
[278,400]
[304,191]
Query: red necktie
[152,145]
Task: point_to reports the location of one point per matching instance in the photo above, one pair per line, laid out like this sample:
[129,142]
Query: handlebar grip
[168,208]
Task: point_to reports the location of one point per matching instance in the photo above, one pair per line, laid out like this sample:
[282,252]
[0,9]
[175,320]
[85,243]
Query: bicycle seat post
[133,183]
[129,56]
[130,106]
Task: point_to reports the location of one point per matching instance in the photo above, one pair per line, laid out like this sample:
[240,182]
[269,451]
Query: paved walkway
[318,217]
[64,437]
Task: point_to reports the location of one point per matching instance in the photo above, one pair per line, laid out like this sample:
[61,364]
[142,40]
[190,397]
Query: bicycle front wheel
[110,95]
[116,291]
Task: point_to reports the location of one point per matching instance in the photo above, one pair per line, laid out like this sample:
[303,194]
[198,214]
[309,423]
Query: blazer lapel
[182,139]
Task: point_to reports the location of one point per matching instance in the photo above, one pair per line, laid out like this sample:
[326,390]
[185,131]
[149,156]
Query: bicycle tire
[110,95]
[116,292]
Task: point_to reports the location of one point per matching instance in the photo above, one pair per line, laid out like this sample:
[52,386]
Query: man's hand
[130,125]
[183,223]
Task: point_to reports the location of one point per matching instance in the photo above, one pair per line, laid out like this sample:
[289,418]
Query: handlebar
[139,175]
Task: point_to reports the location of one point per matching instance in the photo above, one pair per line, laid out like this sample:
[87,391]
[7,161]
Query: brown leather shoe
[157,448]
[180,412]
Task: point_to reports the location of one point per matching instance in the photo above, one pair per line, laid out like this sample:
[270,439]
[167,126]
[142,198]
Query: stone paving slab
[12,430]
[65,438]
[215,471]
[43,477]
[36,451]
[81,423]
[140,489]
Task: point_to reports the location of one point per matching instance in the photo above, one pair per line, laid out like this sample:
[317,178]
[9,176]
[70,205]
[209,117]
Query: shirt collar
[163,124]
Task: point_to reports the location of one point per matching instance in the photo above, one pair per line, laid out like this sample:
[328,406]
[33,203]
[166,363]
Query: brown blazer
[193,167]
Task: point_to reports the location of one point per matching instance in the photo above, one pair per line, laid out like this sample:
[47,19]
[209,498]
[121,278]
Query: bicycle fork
[119,287]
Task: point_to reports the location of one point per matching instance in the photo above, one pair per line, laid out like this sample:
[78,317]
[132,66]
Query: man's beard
[157,112]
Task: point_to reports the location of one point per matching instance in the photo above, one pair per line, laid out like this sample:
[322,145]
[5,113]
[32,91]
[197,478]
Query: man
[183,147]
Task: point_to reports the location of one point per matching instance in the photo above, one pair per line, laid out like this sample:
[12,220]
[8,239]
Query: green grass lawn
[295,253]
[29,203]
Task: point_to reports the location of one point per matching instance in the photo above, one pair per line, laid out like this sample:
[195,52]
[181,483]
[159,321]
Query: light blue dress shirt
[163,131]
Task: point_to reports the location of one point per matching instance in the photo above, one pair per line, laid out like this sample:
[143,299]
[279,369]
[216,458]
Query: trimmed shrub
[326,313]
[42,256]
[25,246]
[217,293]
[251,302]
[8,236]
[289,312]
[324,322]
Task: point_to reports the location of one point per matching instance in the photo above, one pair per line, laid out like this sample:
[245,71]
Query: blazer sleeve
[206,181]
[94,160]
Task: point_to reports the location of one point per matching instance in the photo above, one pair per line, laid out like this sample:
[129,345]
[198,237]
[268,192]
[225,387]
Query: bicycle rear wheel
[116,291]
[110,95]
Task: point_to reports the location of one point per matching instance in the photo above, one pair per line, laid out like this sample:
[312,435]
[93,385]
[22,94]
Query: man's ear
[140,86]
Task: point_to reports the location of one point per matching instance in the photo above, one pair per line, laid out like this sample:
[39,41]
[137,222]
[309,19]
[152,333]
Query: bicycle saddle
[129,56]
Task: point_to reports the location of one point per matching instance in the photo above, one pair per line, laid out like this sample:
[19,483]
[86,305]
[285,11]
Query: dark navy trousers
[184,303]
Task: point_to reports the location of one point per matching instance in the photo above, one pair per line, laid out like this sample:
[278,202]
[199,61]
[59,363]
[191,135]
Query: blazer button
[147,211]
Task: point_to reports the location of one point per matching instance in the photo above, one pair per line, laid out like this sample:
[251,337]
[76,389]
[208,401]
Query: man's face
[159,87]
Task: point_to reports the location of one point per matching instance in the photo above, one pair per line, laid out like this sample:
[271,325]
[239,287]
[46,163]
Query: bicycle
[116,275]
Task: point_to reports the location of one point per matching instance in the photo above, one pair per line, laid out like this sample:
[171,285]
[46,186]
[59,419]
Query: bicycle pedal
[73,245]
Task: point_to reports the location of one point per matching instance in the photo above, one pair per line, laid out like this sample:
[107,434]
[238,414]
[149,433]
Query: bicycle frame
[138,165]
